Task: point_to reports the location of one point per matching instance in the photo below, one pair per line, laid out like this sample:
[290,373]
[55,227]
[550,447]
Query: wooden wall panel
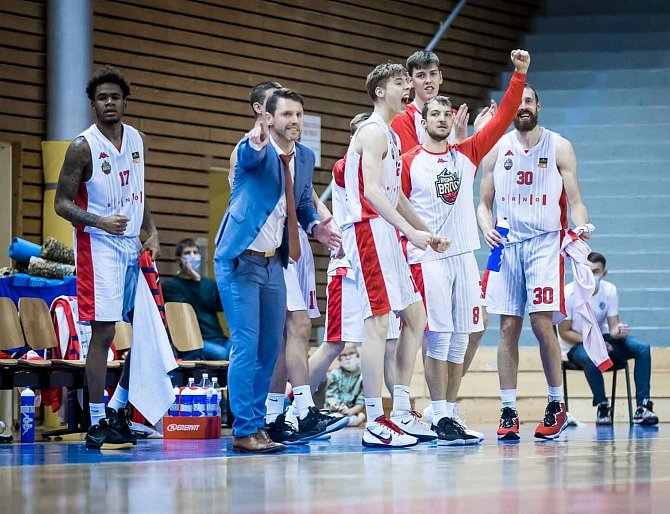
[23,103]
[191,64]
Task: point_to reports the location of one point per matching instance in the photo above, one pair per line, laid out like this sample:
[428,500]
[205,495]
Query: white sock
[450,409]
[119,398]
[373,408]
[401,398]
[555,393]
[508,397]
[274,405]
[303,400]
[439,410]
[97,411]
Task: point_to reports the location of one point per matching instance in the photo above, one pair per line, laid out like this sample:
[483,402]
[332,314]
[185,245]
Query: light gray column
[69,60]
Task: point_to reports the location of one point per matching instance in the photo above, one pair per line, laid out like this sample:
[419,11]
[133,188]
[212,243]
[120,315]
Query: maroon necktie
[291,216]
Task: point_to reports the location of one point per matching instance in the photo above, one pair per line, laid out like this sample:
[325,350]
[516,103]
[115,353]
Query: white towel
[150,388]
[584,285]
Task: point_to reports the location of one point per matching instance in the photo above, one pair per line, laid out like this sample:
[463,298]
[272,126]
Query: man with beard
[101,192]
[438,179]
[301,307]
[532,175]
[375,211]
[272,192]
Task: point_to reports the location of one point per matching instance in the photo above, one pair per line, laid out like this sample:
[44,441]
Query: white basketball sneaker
[383,433]
[468,431]
[409,422]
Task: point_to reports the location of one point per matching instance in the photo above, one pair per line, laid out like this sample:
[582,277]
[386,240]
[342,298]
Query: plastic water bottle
[495,257]
[174,408]
[206,386]
[199,401]
[215,399]
[187,398]
[27,416]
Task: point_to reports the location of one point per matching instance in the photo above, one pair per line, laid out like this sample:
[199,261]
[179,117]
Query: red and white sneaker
[383,433]
[554,422]
[508,430]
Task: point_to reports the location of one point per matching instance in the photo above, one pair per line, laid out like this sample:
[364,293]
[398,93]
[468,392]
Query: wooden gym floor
[589,470]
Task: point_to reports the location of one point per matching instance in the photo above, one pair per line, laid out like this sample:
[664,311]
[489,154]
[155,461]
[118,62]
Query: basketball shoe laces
[550,414]
[386,422]
[507,417]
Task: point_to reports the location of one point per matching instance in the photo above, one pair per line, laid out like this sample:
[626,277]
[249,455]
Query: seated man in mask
[201,292]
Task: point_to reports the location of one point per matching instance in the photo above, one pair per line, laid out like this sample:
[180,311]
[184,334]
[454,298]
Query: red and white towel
[584,285]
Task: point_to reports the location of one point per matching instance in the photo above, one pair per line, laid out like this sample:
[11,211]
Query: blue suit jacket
[258,185]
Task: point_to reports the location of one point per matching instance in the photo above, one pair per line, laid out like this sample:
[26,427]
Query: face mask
[597,282]
[192,261]
[351,364]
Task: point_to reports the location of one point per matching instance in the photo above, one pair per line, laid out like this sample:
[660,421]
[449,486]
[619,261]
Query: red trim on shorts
[484,282]
[372,269]
[85,277]
[334,309]
[417,276]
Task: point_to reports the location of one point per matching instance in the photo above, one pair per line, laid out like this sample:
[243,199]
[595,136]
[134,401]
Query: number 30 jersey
[529,188]
[116,185]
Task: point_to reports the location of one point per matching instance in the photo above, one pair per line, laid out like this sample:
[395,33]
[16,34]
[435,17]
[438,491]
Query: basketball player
[423,67]
[376,210]
[532,175]
[344,323]
[101,192]
[438,178]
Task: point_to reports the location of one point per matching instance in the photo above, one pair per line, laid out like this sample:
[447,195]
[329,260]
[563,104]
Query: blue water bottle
[495,257]
[174,408]
[27,416]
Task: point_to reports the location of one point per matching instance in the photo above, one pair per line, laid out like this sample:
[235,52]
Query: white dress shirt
[272,232]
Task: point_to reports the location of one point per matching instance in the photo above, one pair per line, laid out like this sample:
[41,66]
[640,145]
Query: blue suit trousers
[253,294]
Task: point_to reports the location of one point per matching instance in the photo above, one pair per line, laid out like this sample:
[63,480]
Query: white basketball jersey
[439,187]
[529,188]
[116,185]
[357,207]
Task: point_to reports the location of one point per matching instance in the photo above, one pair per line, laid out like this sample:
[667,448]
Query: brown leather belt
[256,253]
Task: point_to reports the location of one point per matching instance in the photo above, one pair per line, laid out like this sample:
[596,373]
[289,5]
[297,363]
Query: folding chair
[12,337]
[571,366]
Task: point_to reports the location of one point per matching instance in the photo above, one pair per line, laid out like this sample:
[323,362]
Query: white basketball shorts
[301,282]
[451,293]
[381,273]
[532,273]
[344,321]
[107,273]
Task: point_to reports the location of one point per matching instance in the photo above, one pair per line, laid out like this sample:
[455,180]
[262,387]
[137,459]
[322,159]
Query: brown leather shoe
[263,433]
[255,443]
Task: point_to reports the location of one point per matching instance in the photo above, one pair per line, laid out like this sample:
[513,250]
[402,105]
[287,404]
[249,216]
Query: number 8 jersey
[116,185]
[529,188]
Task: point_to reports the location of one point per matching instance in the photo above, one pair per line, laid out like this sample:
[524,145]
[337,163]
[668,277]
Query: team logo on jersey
[103,155]
[542,163]
[106,167]
[447,185]
[136,157]
[602,306]
[508,163]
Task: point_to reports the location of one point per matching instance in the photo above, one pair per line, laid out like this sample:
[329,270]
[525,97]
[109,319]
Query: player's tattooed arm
[76,169]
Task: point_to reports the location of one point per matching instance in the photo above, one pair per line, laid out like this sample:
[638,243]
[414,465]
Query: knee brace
[438,344]
[458,347]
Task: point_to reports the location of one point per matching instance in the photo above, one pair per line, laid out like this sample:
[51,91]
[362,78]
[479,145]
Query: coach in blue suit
[252,245]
